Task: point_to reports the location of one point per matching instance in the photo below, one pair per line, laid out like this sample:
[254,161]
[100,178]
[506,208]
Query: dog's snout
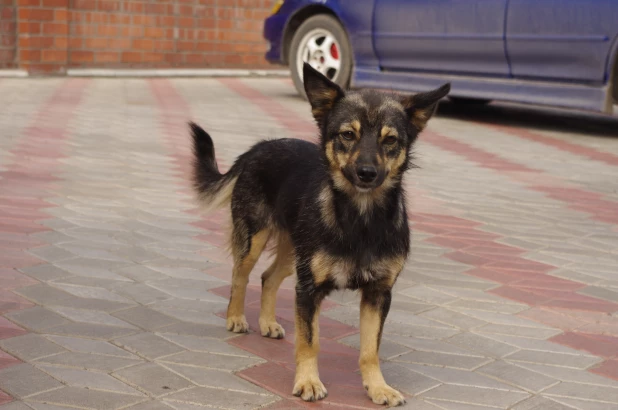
[367,173]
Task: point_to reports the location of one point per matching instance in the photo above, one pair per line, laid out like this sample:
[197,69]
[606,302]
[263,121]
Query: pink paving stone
[519,295]
[7,360]
[601,329]
[10,301]
[442,219]
[11,279]
[465,233]
[431,228]
[273,350]
[18,259]
[494,249]
[9,329]
[467,258]
[20,227]
[494,275]
[607,368]
[5,398]
[579,305]
[448,242]
[523,265]
[552,318]
[607,347]
[549,282]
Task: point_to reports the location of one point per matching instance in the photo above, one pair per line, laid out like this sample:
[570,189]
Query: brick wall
[53,35]
[8,34]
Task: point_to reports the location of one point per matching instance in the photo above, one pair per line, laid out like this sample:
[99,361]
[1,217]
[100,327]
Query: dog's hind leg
[281,268]
[246,250]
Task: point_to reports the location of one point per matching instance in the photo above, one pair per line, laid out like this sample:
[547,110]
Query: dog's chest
[349,274]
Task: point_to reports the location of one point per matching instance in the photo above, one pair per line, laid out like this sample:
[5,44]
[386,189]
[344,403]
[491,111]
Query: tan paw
[310,389]
[271,329]
[385,394]
[237,324]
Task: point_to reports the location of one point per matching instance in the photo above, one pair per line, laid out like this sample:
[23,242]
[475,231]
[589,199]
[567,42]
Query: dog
[335,213]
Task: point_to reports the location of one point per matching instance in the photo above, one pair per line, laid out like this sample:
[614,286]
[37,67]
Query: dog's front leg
[307,384]
[375,304]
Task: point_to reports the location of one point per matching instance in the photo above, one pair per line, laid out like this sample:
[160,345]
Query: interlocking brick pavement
[113,286]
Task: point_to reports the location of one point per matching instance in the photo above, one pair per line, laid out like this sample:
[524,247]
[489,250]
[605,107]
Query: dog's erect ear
[420,107]
[322,93]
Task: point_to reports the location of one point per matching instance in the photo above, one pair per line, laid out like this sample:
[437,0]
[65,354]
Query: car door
[561,40]
[446,36]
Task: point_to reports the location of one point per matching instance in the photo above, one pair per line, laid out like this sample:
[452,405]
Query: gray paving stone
[45,272]
[86,398]
[140,273]
[429,345]
[91,316]
[88,361]
[406,380]
[192,305]
[23,380]
[458,377]
[220,398]
[30,347]
[498,307]
[452,318]
[92,331]
[89,380]
[148,345]
[481,345]
[145,317]
[83,281]
[211,360]
[188,288]
[193,316]
[428,295]
[540,403]
[388,348]
[42,406]
[442,359]
[426,332]
[582,404]
[536,344]
[149,405]
[531,332]
[569,375]
[518,376]
[15,405]
[599,292]
[152,379]
[193,329]
[475,395]
[142,293]
[43,294]
[81,345]
[91,268]
[205,344]
[36,318]
[584,392]
[553,359]
[91,292]
[51,253]
[215,378]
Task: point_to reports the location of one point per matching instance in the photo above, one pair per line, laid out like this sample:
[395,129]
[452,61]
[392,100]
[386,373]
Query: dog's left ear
[322,93]
[420,107]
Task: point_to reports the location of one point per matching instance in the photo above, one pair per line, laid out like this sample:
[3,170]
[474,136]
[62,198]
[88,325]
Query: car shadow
[541,118]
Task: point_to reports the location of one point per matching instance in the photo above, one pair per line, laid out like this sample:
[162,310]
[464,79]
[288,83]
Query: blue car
[560,53]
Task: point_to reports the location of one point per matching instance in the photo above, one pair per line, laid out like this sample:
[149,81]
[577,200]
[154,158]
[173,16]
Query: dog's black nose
[367,173]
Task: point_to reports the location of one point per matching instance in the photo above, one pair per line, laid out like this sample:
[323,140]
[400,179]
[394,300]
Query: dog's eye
[390,140]
[348,135]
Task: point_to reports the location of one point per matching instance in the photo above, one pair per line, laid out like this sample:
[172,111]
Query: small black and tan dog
[334,211]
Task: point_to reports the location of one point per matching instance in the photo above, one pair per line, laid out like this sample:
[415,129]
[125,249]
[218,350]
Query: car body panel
[552,52]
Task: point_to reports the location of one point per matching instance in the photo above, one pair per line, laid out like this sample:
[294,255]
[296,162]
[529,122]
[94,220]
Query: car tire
[469,101]
[335,63]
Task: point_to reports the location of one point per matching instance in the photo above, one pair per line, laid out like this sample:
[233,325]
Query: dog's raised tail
[214,189]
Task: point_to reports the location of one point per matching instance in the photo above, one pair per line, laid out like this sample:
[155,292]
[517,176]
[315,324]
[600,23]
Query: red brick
[131,57]
[29,28]
[108,30]
[55,29]
[26,3]
[154,32]
[96,43]
[149,57]
[143,44]
[82,56]
[34,14]
[107,57]
[119,43]
[55,3]
[54,56]
[29,55]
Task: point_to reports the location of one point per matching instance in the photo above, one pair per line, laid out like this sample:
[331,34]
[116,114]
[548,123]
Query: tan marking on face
[386,131]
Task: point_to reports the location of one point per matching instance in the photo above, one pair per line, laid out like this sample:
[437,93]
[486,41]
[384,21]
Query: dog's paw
[237,324]
[385,394]
[310,389]
[271,329]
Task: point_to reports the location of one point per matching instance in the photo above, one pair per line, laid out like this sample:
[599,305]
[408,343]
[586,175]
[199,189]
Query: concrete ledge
[13,73]
[174,72]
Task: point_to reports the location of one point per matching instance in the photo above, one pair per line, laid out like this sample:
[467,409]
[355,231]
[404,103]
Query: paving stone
[43,294]
[481,345]
[51,253]
[581,404]
[475,395]
[540,403]
[193,329]
[81,345]
[215,378]
[92,331]
[406,380]
[193,317]
[142,293]
[89,380]
[507,308]
[211,360]
[86,398]
[442,359]
[149,405]
[36,318]
[452,318]
[599,292]
[388,349]
[140,273]
[88,361]
[518,376]
[426,332]
[30,347]
[153,379]
[584,391]
[429,345]
[553,359]
[459,377]
[188,288]
[220,398]
[91,292]
[145,318]
[148,345]
[91,316]
[204,344]
[536,344]
[23,380]
[89,268]
[15,405]
[531,332]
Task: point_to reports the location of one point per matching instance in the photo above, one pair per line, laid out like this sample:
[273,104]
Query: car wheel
[469,101]
[322,42]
